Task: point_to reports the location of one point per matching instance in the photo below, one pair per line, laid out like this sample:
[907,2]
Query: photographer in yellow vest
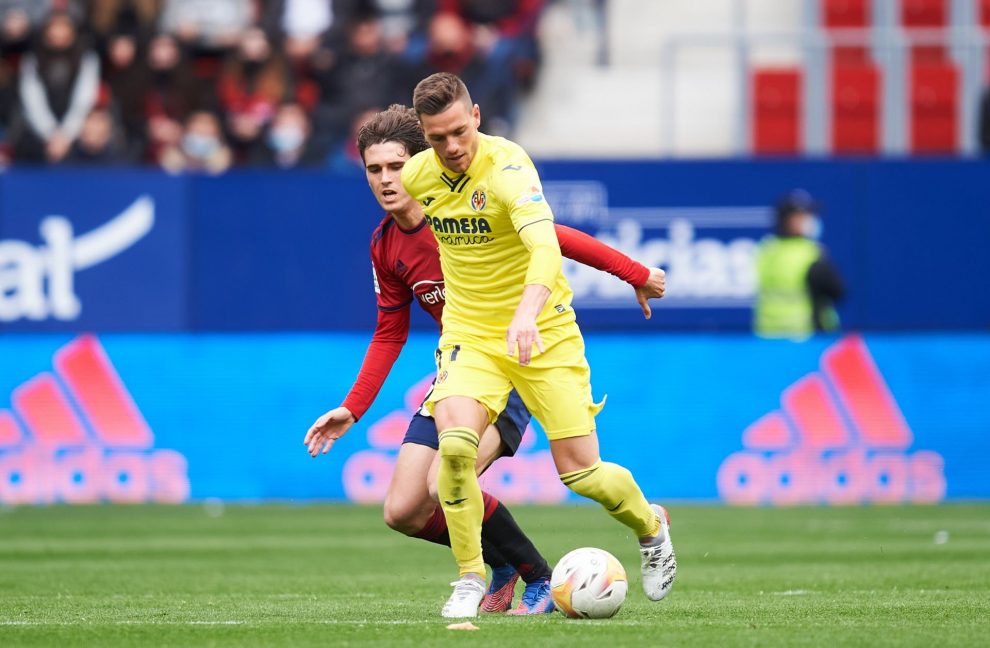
[797,284]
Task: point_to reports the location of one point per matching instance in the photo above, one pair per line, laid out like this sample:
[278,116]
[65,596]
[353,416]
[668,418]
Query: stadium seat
[847,14]
[925,14]
[934,104]
[984,11]
[855,109]
[776,110]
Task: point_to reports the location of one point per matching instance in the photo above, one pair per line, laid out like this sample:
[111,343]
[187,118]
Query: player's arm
[544,266]
[386,344]
[649,283]
[391,332]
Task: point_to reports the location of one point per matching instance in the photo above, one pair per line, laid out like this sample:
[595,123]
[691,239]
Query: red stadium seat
[934,104]
[776,111]
[985,13]
[925,14]
[847,14]
[855,109]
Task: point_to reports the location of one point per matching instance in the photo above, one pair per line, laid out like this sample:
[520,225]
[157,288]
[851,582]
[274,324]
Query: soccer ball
[589,583]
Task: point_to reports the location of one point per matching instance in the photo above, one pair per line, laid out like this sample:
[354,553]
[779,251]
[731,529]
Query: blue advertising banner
[167,418]
[92,250]
[114,250]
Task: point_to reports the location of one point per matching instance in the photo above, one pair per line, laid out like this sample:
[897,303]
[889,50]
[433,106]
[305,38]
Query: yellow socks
[460,497]
[614,488]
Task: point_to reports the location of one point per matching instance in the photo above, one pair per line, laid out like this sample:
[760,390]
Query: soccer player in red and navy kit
[406,266]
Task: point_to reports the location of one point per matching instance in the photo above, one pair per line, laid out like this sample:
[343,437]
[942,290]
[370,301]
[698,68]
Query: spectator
[207,24]
[288,142]
[252,85]
[170,96]
[18,20]
[404,25]
[111,18]
[451,49]
[797,284]
[345,158]
[58,86]
[125,73]
[201,148]
[298,26]
[504,31]
[364,75]
[100,142]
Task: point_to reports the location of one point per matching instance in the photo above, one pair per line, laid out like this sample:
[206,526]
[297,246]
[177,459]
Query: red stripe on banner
[814,413]
[10,431]
[101,395]
[865,395]
[47,413]
[770,432]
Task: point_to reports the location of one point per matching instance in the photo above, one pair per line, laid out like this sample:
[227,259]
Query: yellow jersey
[476,217]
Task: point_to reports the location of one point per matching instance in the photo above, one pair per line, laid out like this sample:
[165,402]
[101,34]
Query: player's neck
[410,218]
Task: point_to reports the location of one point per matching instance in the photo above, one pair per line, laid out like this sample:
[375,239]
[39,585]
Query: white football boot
[659,565]
[466,597]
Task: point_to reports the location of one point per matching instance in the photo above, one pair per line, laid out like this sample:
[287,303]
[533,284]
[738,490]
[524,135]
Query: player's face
[453,134]
[383,167]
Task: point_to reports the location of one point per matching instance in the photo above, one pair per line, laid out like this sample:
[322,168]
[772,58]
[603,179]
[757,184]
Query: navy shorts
[511,425]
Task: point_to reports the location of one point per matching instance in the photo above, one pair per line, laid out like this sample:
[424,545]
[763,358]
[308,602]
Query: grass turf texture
[334,575]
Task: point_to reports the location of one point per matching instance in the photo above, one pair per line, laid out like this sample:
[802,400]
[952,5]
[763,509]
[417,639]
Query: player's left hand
[654,288]
[523,334]
[327,429]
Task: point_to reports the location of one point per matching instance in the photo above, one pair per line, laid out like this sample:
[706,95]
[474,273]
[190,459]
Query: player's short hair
[397,123]
[436,92]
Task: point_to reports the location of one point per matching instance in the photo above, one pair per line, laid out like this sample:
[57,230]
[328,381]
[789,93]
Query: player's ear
[476,115]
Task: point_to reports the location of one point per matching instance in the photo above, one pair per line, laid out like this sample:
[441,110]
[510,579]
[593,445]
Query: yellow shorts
[555,386]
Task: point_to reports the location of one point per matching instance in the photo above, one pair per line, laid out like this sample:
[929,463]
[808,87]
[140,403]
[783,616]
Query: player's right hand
[327,429]
[654,288]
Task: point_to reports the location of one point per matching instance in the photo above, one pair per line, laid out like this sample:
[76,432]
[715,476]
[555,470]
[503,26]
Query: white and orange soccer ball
[589,583]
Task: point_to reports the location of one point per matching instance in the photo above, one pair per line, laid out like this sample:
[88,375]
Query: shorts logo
[478,200]
[442,376]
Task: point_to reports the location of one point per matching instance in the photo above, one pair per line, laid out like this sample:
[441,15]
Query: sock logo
[455,502]
[77,436]
[839,438]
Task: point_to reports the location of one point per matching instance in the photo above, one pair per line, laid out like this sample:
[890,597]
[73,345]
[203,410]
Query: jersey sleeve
[394,299]
[517,185]
[390,336]
[589,251]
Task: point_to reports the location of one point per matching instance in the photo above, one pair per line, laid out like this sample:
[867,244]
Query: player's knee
[458,450]
[401,516]
[592,483]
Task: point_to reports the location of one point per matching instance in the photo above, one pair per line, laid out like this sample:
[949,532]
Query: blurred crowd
[209,84]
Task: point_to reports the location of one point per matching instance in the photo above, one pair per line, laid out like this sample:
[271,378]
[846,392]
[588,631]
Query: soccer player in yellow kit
[506,294]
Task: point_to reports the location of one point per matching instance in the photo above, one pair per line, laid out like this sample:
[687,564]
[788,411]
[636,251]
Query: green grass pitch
[336,576]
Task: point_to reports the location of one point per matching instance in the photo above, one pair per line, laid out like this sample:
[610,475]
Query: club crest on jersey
[478,200]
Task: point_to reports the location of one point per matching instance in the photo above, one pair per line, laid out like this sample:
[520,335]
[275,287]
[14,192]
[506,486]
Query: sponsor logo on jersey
[838,438]
[76,435]
[533,194]
[478,200]
[478,225]
[427,201]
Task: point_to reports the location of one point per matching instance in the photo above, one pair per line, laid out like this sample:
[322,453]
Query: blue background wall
[237,407]
[261,252]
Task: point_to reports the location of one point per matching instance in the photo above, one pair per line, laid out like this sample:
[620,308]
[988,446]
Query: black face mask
[252,67]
